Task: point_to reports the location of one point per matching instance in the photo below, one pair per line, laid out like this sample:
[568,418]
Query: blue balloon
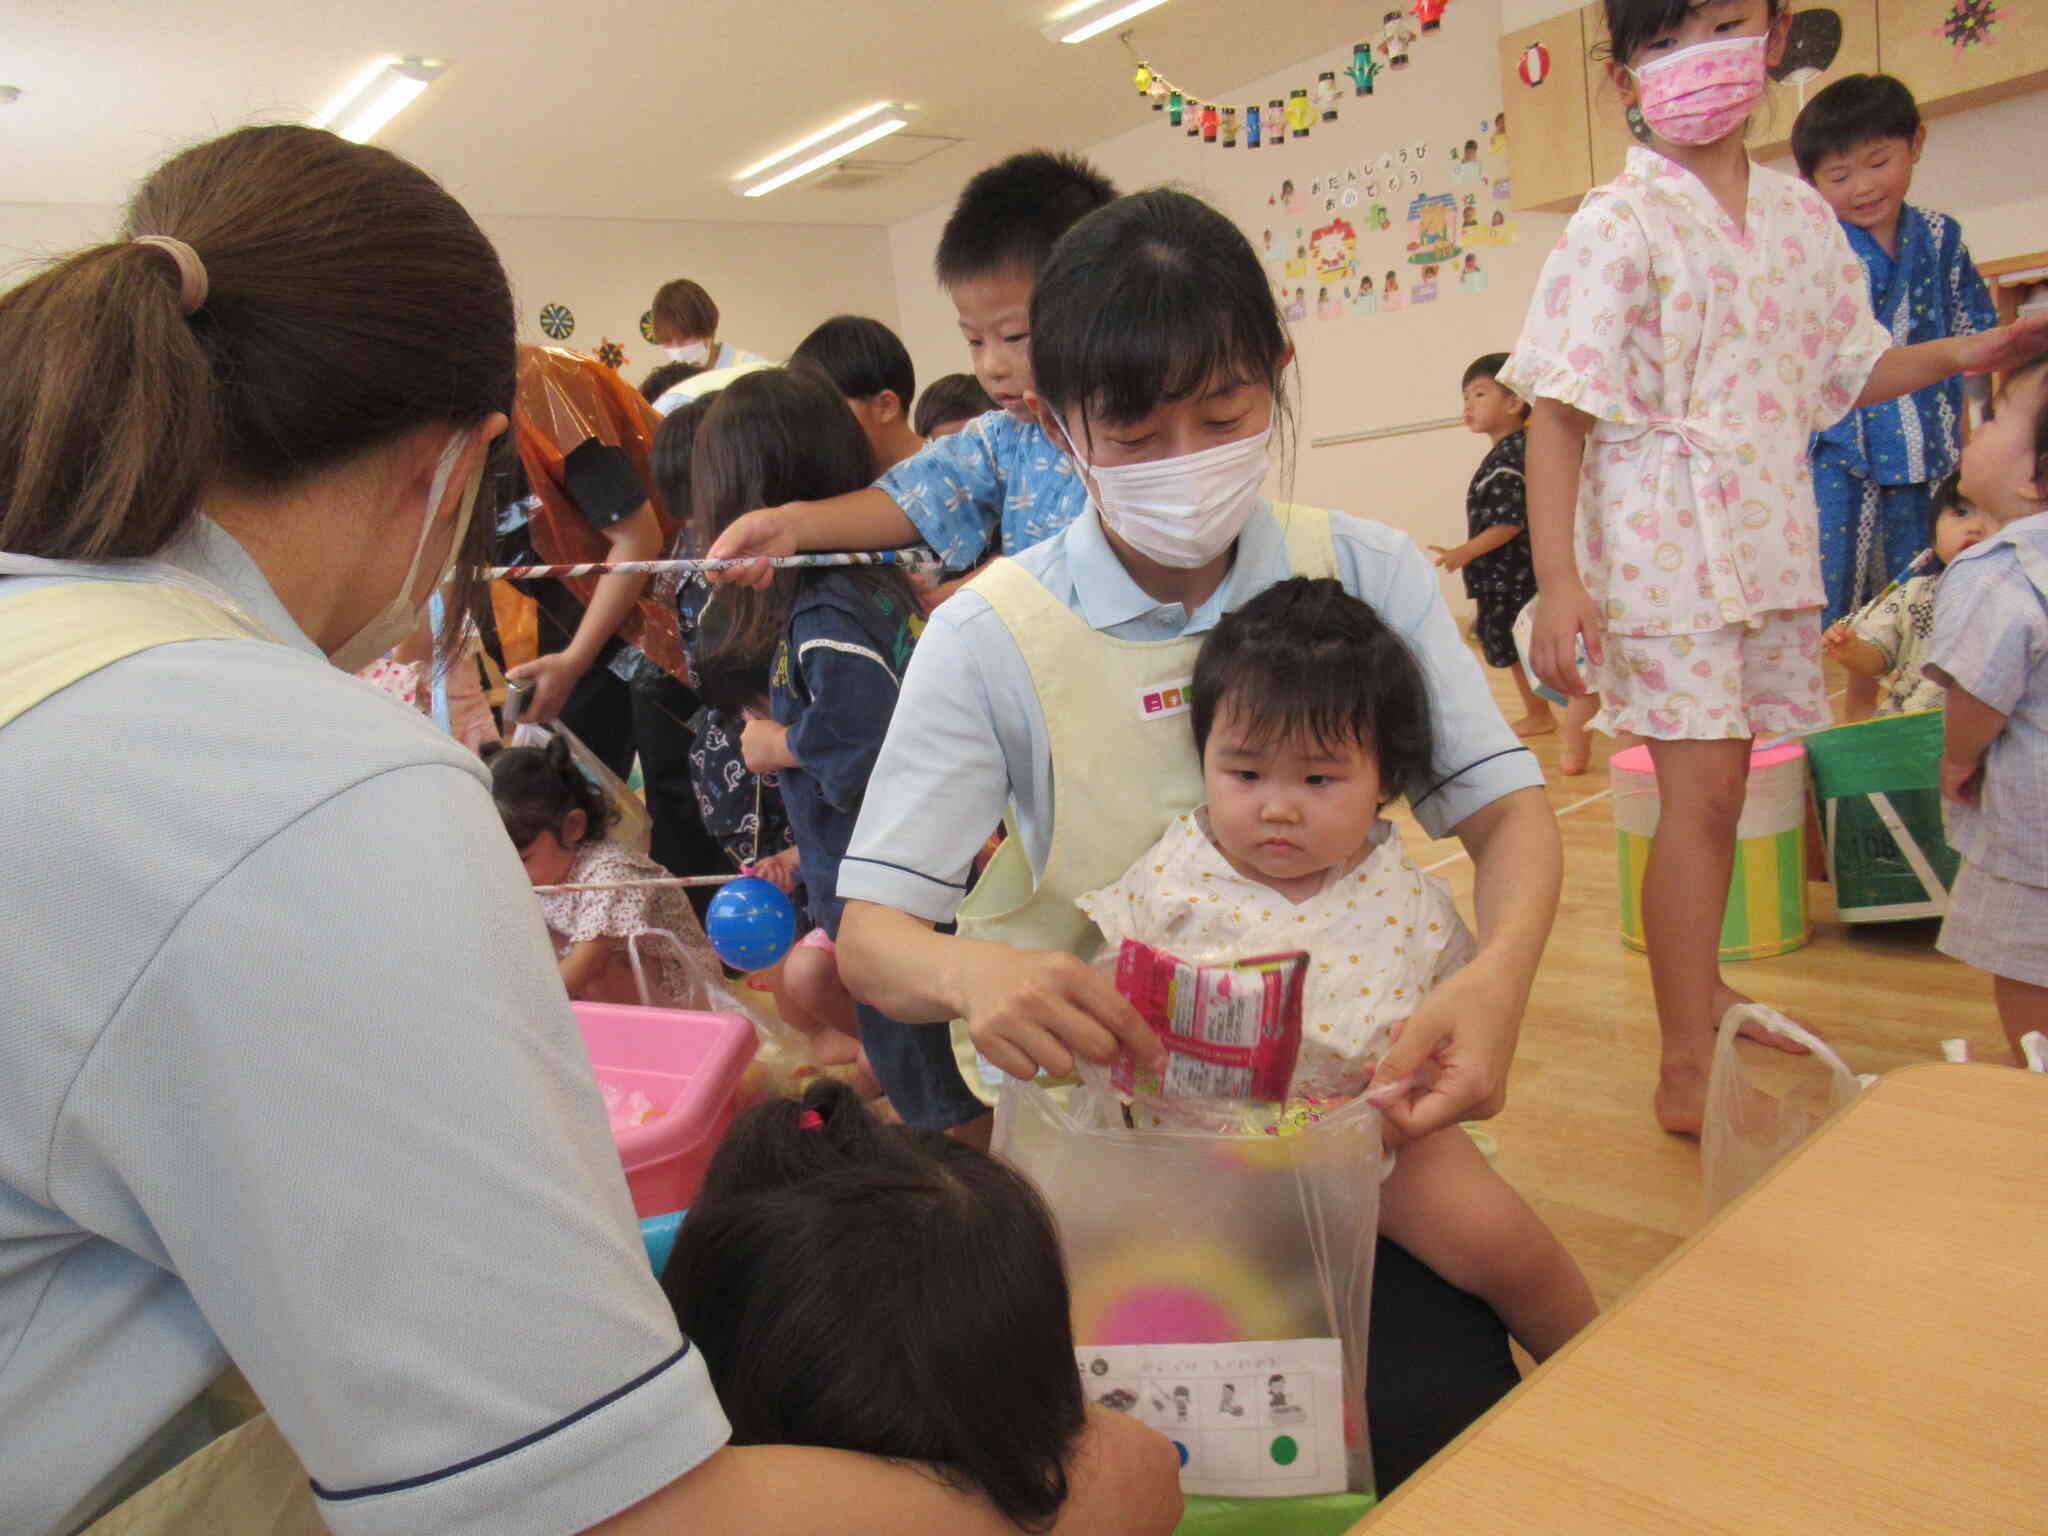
[751,924]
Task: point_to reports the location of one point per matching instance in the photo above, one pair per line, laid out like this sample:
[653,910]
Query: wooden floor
[1577,1137]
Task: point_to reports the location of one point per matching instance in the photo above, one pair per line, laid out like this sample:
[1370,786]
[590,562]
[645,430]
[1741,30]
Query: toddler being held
[1306,708]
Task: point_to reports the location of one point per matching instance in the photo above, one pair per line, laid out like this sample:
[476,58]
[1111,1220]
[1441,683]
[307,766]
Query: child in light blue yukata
[1874,471]
[999,485]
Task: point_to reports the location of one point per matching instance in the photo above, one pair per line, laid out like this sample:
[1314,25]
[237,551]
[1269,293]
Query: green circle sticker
[1284,1450]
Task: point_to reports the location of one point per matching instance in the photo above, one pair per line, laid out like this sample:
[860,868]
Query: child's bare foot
[1572,761]
[1726,997]
[1681,1103]
[1534,724]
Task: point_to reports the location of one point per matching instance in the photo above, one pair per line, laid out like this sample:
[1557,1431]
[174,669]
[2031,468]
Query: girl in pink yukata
[1700,317]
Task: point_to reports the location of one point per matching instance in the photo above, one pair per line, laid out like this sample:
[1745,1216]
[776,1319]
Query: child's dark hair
[1011,215]
[1632,23]
[861,357]
[874,1288]
[1489,367]
[1307,658]
[955,397]
[777,435]
[1153,299]
[535,789]
[1854,110]
[660,381]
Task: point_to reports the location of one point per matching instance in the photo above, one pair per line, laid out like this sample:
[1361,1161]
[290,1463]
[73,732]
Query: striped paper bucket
[1766,911]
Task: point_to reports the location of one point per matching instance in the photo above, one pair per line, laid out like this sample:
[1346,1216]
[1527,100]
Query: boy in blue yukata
[1875,470]
[999,485]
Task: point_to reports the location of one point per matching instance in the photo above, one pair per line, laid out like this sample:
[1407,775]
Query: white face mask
[695,353]
[1183,511]
[401,616]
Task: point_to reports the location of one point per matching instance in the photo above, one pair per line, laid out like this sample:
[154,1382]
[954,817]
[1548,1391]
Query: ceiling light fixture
[386,89]
[1079,23]
[823,147]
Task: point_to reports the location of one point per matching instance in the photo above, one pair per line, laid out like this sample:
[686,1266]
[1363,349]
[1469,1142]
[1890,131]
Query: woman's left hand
[1450,1060]
[554,678]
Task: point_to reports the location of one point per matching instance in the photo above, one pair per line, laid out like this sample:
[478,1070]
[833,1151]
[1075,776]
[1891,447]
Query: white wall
[773,282]
[1984,166]
[1356,373]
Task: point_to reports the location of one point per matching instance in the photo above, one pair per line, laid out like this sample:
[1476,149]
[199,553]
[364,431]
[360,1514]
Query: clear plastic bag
[1749,1128]
[1177,1236]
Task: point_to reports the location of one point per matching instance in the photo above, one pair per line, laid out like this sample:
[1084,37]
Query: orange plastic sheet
[566,400]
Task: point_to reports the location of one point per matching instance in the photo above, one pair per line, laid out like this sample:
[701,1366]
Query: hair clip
[810,1120]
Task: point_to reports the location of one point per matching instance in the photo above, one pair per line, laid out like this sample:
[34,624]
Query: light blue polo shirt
[968,737]
[997,486]
[287,1076]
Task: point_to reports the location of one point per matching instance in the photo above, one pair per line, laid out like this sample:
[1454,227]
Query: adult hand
[1033,1010]
[554,678]
[1122,1480]
[767,533]
[1565,613]
[2006,348]
[779,869]
[1450,1060]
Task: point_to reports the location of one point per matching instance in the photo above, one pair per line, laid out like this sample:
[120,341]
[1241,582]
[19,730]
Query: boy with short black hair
[1874,471]
[1499,570]
[869,365]
[1000,485]
[948,404]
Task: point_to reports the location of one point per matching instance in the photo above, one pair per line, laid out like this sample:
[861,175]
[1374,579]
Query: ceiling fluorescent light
[1084,22]
[384,91]
[822,148]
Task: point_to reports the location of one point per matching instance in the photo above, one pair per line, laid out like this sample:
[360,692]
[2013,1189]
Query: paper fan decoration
[1535,66]
[647,327]
[557,322]
[611,354]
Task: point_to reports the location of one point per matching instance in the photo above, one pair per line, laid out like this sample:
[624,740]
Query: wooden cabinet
[1899,37]
[2012,56]
[1543,90]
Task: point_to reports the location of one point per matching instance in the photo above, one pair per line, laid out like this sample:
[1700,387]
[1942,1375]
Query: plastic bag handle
[1743,1013]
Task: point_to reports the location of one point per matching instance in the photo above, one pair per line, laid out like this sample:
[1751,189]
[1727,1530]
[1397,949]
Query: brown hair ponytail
[350,300]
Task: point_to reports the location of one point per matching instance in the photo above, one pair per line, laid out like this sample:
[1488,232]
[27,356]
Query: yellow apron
[247,1483]
[1123,756]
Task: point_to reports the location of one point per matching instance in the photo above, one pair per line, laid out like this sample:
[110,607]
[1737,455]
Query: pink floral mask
[1701,94]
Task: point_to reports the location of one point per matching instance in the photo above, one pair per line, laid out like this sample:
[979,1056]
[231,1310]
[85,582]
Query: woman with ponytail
[287,1077]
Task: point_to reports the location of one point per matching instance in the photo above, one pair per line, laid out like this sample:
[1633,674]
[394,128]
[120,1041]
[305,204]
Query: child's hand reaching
[2006,348]
[766,533]
[1962,780]
[1564,615]
[1445,559]
[779,869]
[765,745]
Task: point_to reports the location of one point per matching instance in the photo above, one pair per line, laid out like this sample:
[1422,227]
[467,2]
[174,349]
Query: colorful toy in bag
[1232,1031]
[1748,1130]
[1877,784]
[1219,1239]
[1766,910]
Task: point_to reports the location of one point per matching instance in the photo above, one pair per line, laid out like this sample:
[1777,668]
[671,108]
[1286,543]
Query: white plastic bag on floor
[1749,1129]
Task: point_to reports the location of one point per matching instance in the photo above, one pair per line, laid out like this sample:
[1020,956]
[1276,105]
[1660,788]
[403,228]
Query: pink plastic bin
[688,1064]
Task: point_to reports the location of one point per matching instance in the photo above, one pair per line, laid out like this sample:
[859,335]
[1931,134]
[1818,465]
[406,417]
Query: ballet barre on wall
[1435,424]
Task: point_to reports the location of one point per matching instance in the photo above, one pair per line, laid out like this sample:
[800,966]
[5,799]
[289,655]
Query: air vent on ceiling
[851,176]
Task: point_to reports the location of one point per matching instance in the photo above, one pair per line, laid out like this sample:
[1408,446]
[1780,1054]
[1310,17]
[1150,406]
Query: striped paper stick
[911,558]
[672,882]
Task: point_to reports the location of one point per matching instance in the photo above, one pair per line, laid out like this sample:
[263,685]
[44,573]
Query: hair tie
[192,284]
[810,1120]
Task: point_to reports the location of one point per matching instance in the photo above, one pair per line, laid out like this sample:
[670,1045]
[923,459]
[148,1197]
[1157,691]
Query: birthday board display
[1258,1418]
